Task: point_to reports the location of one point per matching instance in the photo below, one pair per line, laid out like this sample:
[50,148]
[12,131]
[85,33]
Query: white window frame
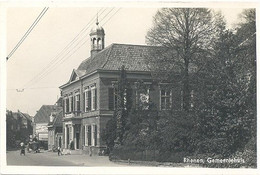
[70,102]
[93,134]
[93,96]
[165,96]
[77,98]
[86,135]
[86,99]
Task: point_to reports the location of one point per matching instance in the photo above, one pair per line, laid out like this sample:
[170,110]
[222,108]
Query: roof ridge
[142,45]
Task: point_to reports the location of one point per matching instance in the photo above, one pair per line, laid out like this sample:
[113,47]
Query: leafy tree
[186,36]
[227,118]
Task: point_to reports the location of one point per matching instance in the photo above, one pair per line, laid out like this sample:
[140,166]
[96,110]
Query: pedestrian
[59,151]
[90,151]
[22,149]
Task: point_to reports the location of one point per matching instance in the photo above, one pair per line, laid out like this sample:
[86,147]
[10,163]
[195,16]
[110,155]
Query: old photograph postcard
[129,87]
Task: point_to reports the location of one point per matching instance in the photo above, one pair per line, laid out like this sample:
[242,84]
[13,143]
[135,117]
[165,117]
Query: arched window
[94,41]
[98,41]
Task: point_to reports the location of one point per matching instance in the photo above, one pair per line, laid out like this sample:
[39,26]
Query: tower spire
[97,19]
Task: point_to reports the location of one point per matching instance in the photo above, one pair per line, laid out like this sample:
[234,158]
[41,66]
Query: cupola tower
[97,38]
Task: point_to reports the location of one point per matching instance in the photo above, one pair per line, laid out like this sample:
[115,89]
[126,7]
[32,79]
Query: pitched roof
[26,116]
[58,119]
[116,55]
[42,116]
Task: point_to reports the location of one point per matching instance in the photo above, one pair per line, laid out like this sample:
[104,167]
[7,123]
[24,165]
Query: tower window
[94,40]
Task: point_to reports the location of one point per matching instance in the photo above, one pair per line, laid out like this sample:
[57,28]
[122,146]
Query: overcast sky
[53,33]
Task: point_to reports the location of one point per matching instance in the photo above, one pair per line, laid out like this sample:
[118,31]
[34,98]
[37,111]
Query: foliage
[186,36]
[109,133]
[220,64]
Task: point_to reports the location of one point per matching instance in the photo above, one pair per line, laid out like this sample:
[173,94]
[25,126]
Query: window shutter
[74,103]
[78,103]
[84,98]
[89,135]
[85,135]
[95,135]
[111,99]
[95,99]
[89,100]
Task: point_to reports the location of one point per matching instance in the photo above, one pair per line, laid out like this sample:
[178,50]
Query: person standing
[22,149]
[59,151]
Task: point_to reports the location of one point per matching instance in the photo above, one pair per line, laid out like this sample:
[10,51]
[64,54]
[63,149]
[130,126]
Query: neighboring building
[41,121]
[55,130]
[89,99]
[18,127]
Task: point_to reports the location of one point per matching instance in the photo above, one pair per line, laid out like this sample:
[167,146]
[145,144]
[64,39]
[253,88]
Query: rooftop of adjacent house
[17,115]
[26,116]
[42,116]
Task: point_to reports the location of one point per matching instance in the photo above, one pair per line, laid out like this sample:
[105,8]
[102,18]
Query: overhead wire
[27,32]
[65,57]
[56,60]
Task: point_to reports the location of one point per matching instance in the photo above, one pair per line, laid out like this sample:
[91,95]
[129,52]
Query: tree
[228,115]
[186,36]
[115,127]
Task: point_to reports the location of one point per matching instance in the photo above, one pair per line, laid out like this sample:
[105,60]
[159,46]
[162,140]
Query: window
[70,132]
[87,100]
[94,99]
[166,102]
[90,98]
[142,99]
[67,105]
[89,135]
[112,99]
[77,102]
[94,135]
[70,104]
[86,135]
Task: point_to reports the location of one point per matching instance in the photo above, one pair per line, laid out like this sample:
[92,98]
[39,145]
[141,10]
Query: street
[52,159]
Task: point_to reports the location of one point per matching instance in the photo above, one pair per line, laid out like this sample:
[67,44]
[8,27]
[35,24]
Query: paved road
[35,159]
[52,159]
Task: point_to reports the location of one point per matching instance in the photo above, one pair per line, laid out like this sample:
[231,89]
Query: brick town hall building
[88,97]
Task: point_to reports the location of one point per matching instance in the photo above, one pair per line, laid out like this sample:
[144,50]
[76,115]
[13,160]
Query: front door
[59,142]
[77,140]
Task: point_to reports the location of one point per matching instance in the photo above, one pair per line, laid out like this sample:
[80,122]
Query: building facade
[18,128]
[41,121]
[89,97]
[55,130]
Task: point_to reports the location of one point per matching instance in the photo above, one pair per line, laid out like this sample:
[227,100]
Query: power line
[21,90]
[65,57]
[55,59]
[112,16]
[28,32]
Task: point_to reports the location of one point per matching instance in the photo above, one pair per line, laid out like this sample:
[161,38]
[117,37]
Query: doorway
[77,140]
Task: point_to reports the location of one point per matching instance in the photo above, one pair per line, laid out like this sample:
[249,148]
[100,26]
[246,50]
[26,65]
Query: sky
[43,49]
